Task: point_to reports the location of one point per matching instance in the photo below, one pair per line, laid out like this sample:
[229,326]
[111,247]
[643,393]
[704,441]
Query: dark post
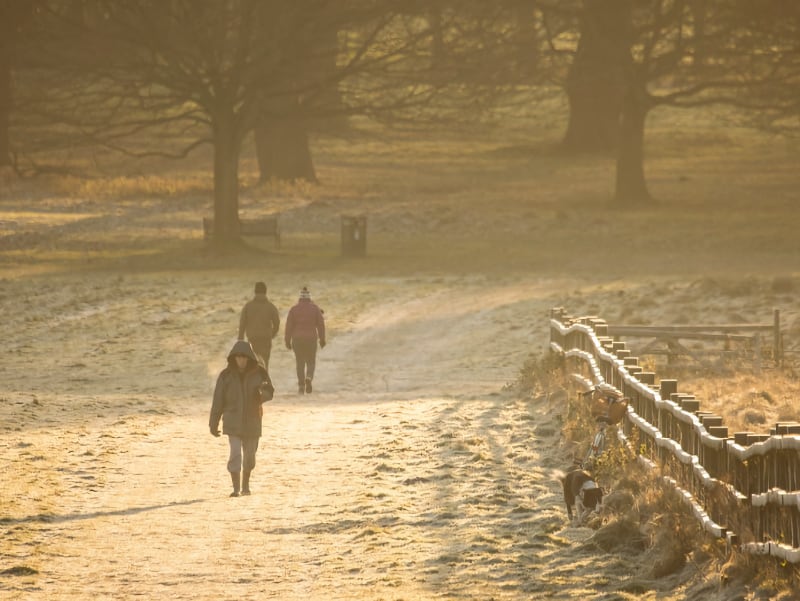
[354,235]
[667,387]
[647,377]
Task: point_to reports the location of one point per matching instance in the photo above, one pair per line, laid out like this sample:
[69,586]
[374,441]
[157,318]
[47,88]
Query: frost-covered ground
[409,474]
[412,472]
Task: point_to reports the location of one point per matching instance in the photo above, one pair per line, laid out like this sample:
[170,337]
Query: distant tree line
[143,76]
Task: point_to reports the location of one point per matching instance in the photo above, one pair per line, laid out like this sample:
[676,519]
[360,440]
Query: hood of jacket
[242,347]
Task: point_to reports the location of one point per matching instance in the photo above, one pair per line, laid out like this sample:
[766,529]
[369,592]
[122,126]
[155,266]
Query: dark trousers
[262,347]
[305,357]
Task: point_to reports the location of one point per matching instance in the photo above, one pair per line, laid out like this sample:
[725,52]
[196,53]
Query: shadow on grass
[49,518]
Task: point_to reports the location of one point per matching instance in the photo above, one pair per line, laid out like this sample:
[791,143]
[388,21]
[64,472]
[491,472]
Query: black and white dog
[582,493]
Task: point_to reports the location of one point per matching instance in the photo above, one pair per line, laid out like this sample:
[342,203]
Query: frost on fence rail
[597,381]
[579,340]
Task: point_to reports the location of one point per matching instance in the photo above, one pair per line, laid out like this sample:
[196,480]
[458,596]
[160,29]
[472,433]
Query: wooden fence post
[666,388]
[775,466]
[741,479]
[757,359]
[689,404]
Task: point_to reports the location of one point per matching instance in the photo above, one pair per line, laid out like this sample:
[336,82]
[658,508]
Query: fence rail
[748,337]
[743,487]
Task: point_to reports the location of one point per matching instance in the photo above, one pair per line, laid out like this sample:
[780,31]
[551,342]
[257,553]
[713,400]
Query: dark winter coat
[305,322]
[259,319]
[238,396]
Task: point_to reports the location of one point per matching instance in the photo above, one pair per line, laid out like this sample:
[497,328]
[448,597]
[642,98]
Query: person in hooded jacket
[260,322]
[241,389]
[305,326]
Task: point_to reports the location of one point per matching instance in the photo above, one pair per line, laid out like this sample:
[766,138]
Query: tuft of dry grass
[541,373]
[644,517]
[747,401]
[768,578]
[132,187]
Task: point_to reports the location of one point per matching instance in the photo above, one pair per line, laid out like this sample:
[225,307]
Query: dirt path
[409,474]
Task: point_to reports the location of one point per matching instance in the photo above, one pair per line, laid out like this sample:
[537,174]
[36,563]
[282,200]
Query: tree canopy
[131,76]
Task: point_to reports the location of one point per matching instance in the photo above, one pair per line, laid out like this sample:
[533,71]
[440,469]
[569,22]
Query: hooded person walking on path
[260,322]
[241,389]
[305,326]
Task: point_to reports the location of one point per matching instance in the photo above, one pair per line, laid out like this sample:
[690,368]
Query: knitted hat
[304,293]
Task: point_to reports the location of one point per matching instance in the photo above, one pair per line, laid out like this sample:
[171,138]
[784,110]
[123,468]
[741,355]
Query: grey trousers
[242,454]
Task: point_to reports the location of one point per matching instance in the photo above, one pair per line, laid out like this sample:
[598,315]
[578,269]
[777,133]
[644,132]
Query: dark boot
[246,482]
[235,481]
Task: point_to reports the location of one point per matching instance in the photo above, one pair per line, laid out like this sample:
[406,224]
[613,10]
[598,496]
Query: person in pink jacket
[305,327]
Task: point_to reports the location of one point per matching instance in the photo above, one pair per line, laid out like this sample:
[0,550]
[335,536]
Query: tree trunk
[226,180]
[596,80]
[282,149]
[6,49]
[631,188]
[15,15]
[699,13]
[327,99]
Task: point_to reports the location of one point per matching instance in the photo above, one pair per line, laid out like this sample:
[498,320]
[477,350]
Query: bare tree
[773,93]
[129,73]
[595,83]
[680,53]
[458,57]
[282,130]
[14,16]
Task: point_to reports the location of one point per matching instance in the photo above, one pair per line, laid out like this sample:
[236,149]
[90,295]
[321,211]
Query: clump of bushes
[541,373]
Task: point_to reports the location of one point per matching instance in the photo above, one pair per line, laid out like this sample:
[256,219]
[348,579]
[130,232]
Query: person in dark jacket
[305,326]
[241,389]
[260,322]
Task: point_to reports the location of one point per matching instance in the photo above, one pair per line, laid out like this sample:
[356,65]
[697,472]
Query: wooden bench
[261,226]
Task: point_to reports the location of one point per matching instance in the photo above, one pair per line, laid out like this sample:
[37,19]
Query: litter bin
[354,235]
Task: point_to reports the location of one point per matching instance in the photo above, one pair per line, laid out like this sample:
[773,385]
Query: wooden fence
[743,487]
[730,340]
